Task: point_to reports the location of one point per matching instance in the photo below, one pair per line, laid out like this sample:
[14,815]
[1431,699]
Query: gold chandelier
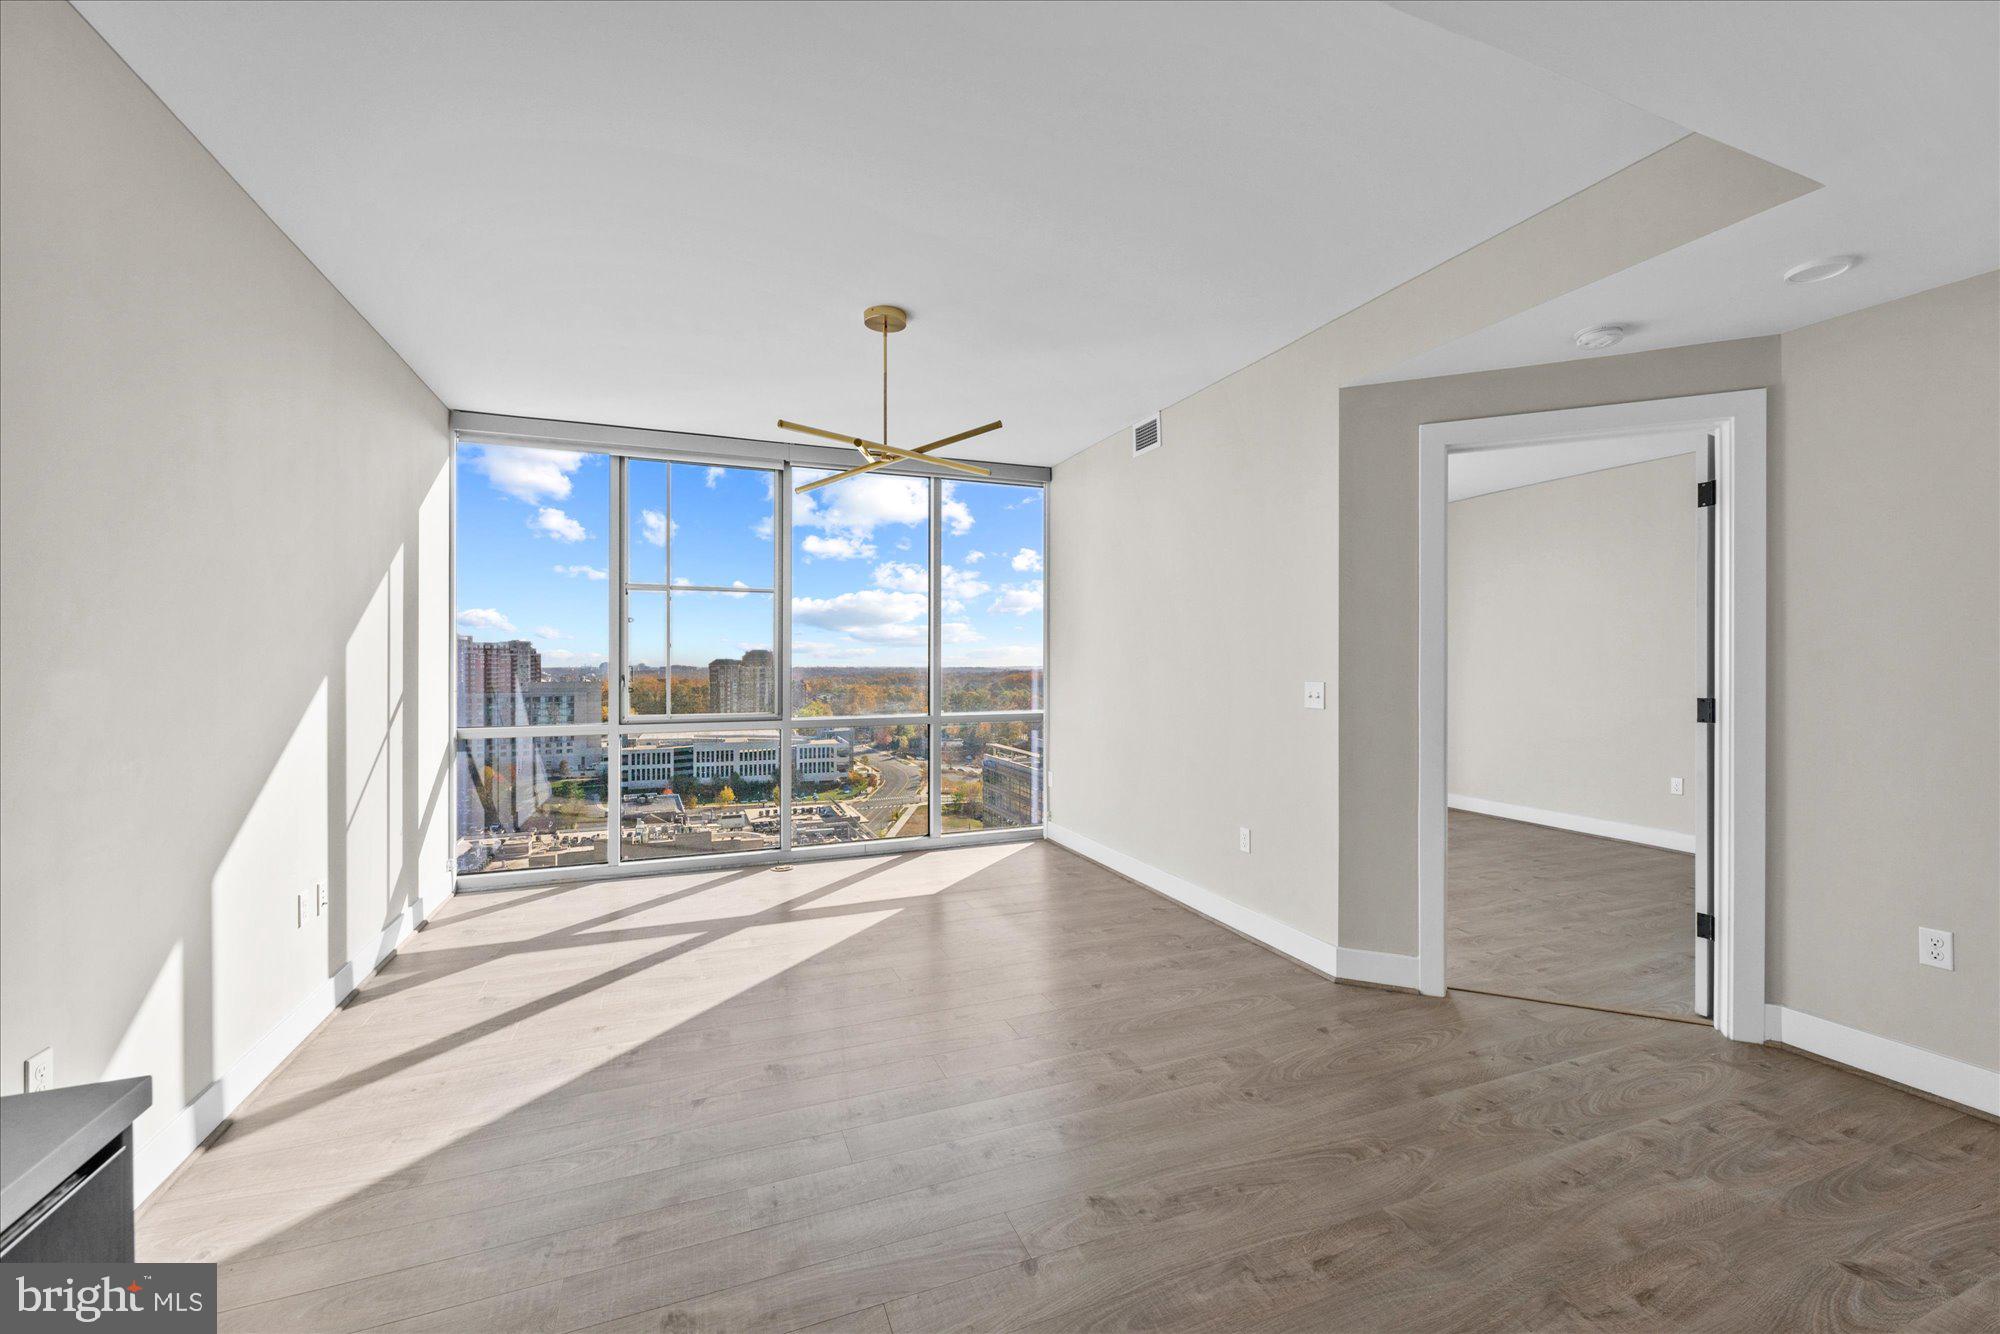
[886,320]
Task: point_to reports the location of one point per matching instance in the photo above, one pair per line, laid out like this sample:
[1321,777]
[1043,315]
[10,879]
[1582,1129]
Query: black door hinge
[1704,926]
[1704,710]
[1704,494]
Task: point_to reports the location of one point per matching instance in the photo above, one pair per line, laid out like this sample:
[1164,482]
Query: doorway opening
[1577,772]
[1546,767]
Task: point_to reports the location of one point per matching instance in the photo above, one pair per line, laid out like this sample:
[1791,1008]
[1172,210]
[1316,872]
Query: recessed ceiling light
[1599,336]
[1819,270]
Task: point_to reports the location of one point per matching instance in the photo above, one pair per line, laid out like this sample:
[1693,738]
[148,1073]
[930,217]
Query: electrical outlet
[1315,694]
[319,895]
[1243,839]
[1675,786]
[1934,947]
[40,1074]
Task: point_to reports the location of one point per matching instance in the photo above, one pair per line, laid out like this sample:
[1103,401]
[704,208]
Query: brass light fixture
[886,320]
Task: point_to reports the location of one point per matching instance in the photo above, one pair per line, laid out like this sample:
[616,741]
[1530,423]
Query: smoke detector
[1600,336]
[1819,270]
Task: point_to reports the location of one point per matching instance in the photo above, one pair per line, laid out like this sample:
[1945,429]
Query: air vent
[1146,435]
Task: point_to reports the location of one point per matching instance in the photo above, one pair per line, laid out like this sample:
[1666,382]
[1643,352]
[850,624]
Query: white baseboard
[1294,944]
[1943,1076]
[1669,839]
[1386,970]
[156,1159]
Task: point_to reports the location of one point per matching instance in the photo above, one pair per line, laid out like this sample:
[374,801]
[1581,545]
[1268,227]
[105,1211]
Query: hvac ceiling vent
[1146,435]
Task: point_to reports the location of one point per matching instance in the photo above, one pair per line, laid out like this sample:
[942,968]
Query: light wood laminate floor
[1551,915]
[1000,1088]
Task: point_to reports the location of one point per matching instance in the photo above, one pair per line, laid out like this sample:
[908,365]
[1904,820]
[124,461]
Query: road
[903,785]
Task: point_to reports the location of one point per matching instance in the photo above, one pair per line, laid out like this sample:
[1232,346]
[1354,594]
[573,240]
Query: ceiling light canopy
[886,320]
[1819,270]
[1600,336]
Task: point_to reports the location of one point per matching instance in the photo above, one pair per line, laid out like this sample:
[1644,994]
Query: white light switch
[1315,694]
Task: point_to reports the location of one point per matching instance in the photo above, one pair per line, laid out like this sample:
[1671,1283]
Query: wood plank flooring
[1550,915]
[999,1088]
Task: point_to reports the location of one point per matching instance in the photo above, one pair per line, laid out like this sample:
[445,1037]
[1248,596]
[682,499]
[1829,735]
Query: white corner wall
[1575,653]
[224,644]
[1203,583]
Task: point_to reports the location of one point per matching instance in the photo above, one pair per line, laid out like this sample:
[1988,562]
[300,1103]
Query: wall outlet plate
[40,1072]
[1676,786]
[320,903]
[1243,839]
[1315,694]
[1934,948]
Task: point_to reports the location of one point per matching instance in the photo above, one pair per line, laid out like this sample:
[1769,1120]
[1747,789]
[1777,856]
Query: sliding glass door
[667,659]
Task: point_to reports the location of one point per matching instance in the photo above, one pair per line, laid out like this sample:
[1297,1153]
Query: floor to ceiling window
[666,658]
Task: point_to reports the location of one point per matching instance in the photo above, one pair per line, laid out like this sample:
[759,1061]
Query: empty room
[886,668]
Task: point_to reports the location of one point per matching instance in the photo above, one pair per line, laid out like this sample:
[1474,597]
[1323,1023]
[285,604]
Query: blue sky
[534,562]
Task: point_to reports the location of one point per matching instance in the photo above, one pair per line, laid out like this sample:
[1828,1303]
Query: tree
[727,796]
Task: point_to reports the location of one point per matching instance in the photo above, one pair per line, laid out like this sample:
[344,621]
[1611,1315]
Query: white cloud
[826,650]
[484,618]
[957,518]
[583,572]
[836,548]
[563,657]
[1018,599]
[960,632]
[533,475]
[901,577]
[857,507]
[554,523]
[872,614]
[653,527]
[711,477]
[1027,558]
[959,587]
[762,529]
[974,557]
[549,632]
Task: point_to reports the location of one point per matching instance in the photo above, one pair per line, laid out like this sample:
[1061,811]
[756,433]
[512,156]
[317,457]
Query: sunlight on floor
[499,1025]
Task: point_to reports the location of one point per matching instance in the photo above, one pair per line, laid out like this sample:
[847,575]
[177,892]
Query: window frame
[622,615]
[623,445]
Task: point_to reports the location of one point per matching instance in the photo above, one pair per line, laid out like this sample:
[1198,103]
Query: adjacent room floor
[1001,1088]
[1545,914]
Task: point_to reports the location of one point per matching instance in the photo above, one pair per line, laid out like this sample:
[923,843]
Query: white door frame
[1737,421]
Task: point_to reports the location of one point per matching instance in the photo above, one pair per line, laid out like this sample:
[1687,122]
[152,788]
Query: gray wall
[1885,694]
[1575,647]
[225,636]
[1884,763]
[1200,586]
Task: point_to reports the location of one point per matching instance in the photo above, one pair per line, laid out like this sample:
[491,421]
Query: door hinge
[1704,926]
[1704,494]
[1704,710]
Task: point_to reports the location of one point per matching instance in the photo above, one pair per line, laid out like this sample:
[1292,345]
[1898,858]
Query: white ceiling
[1479,472]
[1893,107]
[672,216]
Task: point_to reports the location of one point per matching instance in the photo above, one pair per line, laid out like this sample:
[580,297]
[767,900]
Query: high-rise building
[743,685]
[492,678]
[1010,787]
